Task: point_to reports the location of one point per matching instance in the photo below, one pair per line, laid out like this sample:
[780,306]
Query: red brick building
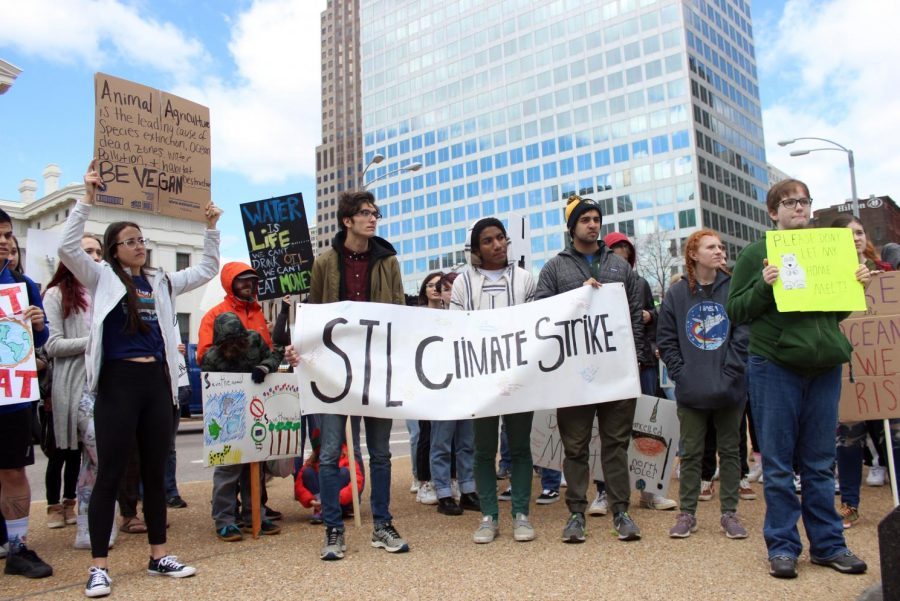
[879,215]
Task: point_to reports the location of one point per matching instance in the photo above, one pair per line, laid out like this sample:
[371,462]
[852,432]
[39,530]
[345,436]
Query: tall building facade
[650,107]
[339,156]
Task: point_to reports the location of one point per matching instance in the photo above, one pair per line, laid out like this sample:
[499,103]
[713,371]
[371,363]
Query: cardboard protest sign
[651,455]
[153,149]
[874,392]
[402,362]
[245,422]
[278,242]
[817,270]
[18,370]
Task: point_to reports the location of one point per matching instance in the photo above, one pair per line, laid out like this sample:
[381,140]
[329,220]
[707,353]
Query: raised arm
[197,275]
[70,253]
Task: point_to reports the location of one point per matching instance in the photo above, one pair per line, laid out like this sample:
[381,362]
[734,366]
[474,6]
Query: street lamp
[377,158]
[411,167]
[796,153]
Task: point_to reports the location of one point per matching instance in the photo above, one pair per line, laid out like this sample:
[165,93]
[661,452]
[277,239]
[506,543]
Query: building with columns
[38,222]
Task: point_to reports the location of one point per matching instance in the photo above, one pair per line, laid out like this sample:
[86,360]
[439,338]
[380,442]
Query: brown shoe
[55,516]
[133,525]
[69,510]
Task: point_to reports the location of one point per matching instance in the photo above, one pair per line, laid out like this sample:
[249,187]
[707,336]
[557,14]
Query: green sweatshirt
[808,343]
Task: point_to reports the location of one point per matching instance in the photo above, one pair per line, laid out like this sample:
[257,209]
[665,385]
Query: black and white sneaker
[168,566]
[98,584]
[547,497]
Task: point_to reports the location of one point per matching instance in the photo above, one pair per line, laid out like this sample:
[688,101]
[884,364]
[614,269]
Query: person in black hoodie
[707,358]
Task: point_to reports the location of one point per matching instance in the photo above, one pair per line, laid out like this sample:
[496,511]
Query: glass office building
[649,106]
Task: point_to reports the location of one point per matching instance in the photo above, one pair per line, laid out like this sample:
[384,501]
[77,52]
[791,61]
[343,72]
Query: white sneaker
[563,483]
[755,472]
[426,494]
[414,487]
[600,506]
[876,476]
[716,474]
[4,550]
[658,502]
[454,490]
[487,531]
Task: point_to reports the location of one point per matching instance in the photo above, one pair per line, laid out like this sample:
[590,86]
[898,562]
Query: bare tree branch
[657,255]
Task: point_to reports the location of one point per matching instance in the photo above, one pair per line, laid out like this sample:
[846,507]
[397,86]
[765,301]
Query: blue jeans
[797,415]
[550,479]
[443,435]
[649,380]
[412,426]
[308,424]
[851,438]
[378,436]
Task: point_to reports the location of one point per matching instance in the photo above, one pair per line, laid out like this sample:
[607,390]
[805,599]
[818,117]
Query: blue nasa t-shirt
[118,343]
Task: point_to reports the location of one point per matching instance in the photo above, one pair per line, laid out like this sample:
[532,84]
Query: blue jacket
[34,295]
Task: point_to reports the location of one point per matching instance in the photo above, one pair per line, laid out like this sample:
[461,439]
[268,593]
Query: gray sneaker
[487,531]
[685,523]
[625,527]
[386,537]
[522,529]
[732,525]
[334,544]
[574,530]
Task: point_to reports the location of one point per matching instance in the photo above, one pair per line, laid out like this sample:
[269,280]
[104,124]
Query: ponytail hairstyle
[691,246]
[134,323]
[845,221]
[70,289]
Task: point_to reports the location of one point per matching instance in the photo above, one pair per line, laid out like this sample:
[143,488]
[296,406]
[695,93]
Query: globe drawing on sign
[15,343]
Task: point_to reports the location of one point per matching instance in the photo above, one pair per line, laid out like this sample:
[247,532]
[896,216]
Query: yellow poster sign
[816,270]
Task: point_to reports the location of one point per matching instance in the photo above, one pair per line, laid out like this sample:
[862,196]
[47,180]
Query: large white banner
[400,362]
[651,455]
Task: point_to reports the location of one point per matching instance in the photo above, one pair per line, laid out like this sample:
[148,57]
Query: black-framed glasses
[134,242]
[791,203]
[366,213]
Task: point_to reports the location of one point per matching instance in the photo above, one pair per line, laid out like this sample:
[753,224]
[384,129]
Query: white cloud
[95,32]
[266,119]
[835,63]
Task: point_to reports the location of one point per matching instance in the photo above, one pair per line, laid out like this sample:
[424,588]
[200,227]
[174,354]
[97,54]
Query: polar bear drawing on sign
[792,275]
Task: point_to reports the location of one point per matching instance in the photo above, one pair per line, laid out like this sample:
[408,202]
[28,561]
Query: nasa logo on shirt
[707,325]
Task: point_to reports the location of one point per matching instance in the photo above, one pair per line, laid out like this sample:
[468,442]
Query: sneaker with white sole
[876,476]
[487,530]
[685,524]
[625,528]
[334,546]
[650,500]
[523,531]
[706,490]
[574,530]
[745,491]
[732,526]
[600,506]
[547,497]
[506,495]
[98,584]
[386,537]
[756,470]
[168,565]
[454,489]
[426,494]
[414,487]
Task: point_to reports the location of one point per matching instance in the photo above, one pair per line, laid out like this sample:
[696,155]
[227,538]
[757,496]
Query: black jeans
[63,466]
[134,402]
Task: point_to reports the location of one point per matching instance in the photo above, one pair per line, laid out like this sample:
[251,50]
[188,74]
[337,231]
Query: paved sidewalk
[444,563]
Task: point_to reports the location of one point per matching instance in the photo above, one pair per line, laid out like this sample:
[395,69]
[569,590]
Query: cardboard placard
[153,149]
[278,241]
[817,270]
[874,333]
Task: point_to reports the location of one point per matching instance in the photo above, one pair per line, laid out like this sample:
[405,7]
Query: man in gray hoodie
[587,261]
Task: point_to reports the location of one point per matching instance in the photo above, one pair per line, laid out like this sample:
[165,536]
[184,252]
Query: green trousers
[518,431]
[728,439]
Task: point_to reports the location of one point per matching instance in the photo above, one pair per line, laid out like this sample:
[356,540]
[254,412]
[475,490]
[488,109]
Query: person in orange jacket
[306,486]
[240,282]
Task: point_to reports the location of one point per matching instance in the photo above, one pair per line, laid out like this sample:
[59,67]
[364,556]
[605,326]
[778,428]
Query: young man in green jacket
[795,383]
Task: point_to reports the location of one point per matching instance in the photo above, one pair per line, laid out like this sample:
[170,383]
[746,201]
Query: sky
[826,69]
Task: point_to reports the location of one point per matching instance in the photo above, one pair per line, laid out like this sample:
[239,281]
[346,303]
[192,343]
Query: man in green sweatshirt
[795,383]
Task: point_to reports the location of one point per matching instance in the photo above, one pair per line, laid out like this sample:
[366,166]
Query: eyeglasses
[791,203]
[366,213]
[133,242]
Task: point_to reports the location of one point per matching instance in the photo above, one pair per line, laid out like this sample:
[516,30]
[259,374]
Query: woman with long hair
[68,307]
[851,436]
[706,355]
[132,356]
[420,431]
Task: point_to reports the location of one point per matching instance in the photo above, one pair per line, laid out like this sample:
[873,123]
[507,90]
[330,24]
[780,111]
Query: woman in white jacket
[131,357]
